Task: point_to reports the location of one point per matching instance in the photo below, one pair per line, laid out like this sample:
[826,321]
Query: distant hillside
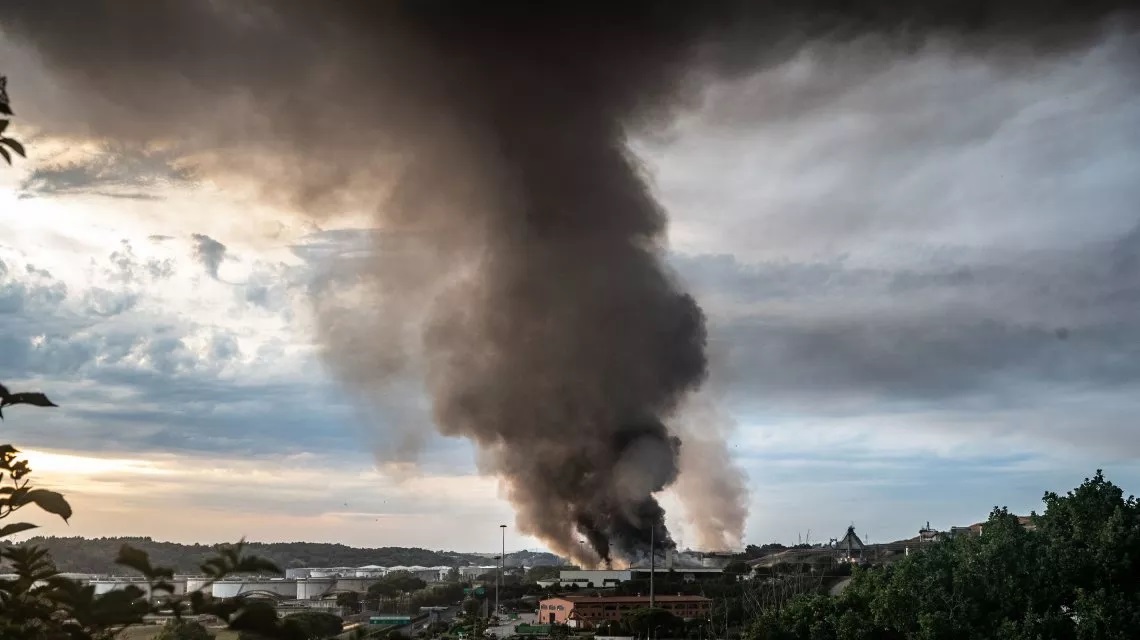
[96,555]
[534,559]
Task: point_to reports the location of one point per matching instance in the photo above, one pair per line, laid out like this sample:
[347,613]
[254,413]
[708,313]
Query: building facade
[588,611]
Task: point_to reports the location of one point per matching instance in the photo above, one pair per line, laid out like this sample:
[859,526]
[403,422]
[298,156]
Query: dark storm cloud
[848,149]
[803,334]
[553,336]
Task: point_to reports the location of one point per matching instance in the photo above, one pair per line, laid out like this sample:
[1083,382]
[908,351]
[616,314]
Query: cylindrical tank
[179,584]
[355,584]
[313,588]
[234,588]
[195,583]
[298,572]
[107,585]
[321,573]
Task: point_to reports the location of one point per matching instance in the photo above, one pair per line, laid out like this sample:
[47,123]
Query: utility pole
[652,563]
[502,567]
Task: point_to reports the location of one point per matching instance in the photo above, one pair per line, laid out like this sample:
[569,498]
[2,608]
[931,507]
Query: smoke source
[491,137]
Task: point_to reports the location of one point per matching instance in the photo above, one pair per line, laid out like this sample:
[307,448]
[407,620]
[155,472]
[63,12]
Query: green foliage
[738,567]
[653,622]
[183,630]
[439,595]
[751,552]
[39,603]
[315,625]
[534,574]
[1070,574]
[7,143]
[396,583]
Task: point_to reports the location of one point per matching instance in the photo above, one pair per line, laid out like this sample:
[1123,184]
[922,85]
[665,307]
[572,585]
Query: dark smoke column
[569,348]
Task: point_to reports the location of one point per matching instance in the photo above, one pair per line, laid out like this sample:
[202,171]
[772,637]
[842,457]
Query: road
[838,587]
[508,627]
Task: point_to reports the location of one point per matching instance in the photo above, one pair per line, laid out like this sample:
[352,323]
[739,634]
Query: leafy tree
[183,630]
[534,574]
[397,583]
[39,603]
[653,621]
[738,568]
[350,601]
[438,595]
[7,143]
[316,625]
[1069,573]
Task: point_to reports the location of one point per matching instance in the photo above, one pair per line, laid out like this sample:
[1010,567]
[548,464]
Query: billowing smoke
[489,139]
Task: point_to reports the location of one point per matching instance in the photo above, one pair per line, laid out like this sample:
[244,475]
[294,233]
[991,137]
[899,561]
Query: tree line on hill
[95,555]
[1071,575]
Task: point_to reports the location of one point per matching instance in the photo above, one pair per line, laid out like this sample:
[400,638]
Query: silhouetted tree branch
[7,143]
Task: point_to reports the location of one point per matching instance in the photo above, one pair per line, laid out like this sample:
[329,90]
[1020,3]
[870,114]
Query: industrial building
[299,584]
[588,611]
[473,571]
[608,578]
[427,574]
[690,565]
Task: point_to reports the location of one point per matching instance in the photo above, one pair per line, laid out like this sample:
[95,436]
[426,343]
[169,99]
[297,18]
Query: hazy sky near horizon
[922,276]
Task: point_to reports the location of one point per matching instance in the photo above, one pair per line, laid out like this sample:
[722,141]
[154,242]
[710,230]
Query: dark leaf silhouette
[14,528]
[14,145]
[6,110]
[37,602]
[140,561]
[33,398]
[49,501]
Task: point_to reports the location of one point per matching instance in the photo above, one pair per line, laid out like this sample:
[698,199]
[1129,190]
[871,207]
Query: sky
[922,278]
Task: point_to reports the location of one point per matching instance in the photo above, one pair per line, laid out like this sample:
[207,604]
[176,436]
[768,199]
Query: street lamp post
[652,564]
[502,567]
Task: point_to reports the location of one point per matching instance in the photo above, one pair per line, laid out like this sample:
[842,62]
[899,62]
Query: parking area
[507,628]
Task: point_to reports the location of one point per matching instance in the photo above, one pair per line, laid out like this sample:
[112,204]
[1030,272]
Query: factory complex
[300,585]
[690,565]
[588,611]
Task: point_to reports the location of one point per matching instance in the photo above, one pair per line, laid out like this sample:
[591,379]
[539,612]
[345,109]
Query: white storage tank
[118,583]
[179,584]
[195,583]
[314,588]
[322,573]
[107,585]
[357,584]
[237,587]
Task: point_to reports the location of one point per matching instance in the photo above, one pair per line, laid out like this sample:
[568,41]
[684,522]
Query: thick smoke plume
[490,137]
